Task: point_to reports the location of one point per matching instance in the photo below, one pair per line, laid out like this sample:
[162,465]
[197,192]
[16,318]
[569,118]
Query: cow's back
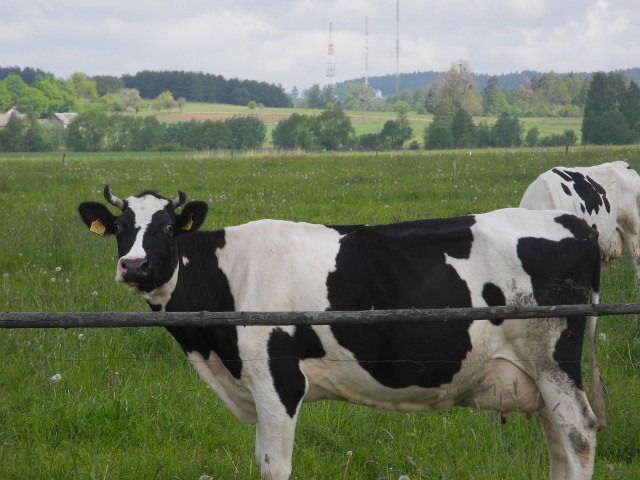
[606,196]
[458,262]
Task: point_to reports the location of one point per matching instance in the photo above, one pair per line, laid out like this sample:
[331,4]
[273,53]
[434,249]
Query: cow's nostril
[136,265]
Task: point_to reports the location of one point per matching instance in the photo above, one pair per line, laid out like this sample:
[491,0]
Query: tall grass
[124,403]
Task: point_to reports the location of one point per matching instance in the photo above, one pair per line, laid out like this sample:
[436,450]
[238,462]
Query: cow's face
[145,230]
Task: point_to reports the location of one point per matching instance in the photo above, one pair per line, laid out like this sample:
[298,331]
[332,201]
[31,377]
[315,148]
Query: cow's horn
[182,197]
[112,199]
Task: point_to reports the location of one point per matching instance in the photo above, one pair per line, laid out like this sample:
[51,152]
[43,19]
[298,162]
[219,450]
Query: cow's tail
[597,392]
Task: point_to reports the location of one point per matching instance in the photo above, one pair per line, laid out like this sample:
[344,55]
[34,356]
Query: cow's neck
[159,297]
[201,286]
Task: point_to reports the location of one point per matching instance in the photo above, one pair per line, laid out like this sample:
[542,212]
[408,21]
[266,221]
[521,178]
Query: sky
[286,42]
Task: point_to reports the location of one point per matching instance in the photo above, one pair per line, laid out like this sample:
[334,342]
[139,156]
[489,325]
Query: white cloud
[285,41]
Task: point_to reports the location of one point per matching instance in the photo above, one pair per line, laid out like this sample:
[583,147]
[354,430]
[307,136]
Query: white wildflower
[53,279]
[58,269]
[55,378]
[603,337]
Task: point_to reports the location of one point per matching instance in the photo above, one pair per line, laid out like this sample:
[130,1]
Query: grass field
[124,403]
[363,122]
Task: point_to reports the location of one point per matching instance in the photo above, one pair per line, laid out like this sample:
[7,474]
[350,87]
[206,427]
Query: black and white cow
[606,196]
[264,374]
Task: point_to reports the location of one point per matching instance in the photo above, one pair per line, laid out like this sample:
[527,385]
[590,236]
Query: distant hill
[412,81]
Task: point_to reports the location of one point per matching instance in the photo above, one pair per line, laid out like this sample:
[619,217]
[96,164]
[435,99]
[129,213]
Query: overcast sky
[285,41]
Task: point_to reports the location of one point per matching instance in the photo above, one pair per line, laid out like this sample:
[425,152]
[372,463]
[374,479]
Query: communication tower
[331,65]
[366,50]
[397,46]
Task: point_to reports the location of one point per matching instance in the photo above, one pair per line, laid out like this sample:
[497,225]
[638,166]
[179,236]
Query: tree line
[612,111]
[94,130]
[38,92]
[541,95]
[611,116]
[201,87]
[412,81]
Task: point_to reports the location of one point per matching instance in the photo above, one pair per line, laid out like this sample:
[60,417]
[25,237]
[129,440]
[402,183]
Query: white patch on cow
[185,261]
[286,269]
[161,295]
[495,240]
[143,208]
[231,391]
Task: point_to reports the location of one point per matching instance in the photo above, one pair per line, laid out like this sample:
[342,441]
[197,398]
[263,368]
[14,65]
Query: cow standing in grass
[264,374]
[606,196]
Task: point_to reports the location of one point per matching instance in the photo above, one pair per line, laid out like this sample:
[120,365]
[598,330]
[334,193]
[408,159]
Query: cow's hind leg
[569,427]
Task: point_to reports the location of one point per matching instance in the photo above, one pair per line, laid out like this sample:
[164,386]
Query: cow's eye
[117,229]
[168,229]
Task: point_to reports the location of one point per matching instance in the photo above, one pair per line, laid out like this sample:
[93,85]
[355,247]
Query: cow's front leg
[274,445]
[278,387]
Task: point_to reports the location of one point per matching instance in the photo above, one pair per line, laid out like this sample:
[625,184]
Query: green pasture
[125,404]
[363,122]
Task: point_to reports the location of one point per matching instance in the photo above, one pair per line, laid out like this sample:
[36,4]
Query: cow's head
[145,228]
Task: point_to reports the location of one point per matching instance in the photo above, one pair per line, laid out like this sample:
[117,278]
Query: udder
[505,388]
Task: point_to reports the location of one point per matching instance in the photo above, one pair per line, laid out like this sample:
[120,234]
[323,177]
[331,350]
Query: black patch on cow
[494,297]
[203,286]
[127,231]
[561,271]
[561,174]
[568,351]
[285,352]
[564,273]
[602,192]
[592,194]
[404,266]
[344,229]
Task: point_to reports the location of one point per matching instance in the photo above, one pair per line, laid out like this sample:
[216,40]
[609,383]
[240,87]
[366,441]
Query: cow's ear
[192,217]
[97,217]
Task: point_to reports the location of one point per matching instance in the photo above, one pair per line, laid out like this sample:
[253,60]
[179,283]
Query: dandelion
[53,279]
[94,293]
[58,269]
[603,337]
[81,336]
[5,275]
[55,378]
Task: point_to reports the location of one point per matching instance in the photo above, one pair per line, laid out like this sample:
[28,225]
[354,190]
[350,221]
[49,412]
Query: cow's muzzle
[133,270]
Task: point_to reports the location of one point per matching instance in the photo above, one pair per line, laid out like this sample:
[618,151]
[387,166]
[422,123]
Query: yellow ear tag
[189,224]
[97,227]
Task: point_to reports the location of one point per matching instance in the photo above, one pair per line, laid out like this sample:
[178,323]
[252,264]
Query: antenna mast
[366,50]
[397,46]
[331,66]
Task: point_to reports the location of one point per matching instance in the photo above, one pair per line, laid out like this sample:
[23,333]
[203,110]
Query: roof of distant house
[64,117]
[4,117]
